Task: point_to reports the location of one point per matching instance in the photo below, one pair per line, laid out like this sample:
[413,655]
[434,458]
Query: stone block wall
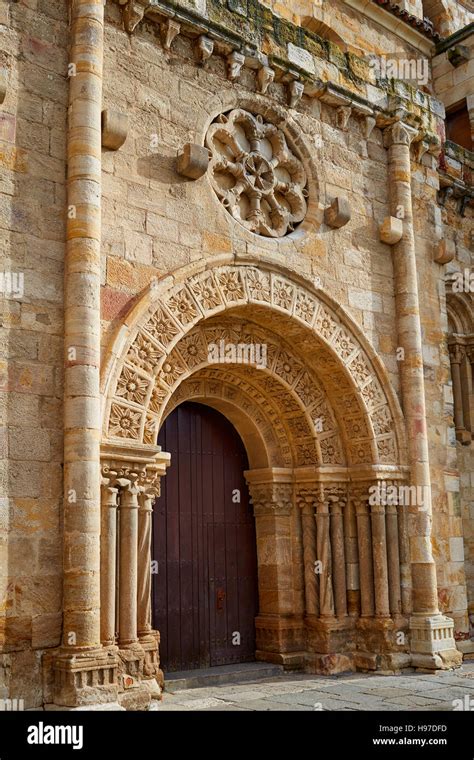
[32,221]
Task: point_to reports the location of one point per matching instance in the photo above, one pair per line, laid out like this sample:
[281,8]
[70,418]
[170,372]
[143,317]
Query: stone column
[128,562]
[338,555]
[425,597]
[306,500]
[393,560]
[352,559]
[81,648]
[379,551]
[364,537]
[108,559]
[323,551]
[456,355]
[145,513]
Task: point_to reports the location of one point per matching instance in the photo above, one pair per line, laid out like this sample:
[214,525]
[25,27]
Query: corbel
[296,89]
[169,31]
[338,213]
[204,48]
[114,129]
[235,61]
[193,161]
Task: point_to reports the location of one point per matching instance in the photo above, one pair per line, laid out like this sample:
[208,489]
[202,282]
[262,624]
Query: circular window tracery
[256,174]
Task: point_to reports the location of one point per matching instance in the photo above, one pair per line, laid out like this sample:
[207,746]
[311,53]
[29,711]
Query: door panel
[205,592]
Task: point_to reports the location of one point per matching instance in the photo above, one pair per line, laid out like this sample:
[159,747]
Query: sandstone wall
[32,213]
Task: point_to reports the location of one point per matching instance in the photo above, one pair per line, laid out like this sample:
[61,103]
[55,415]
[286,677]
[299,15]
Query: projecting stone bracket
[114,129]
[132,13]
[458,55]
[338,213]
[391,230]
[169,31]
[235,61]
[204,48]
[444,252]
[3,84]
[295,90]
[265,77]
[193,161]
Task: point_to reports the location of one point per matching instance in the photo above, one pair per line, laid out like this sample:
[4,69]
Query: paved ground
[412,691]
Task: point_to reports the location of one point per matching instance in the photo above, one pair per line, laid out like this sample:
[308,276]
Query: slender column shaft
[108,546]
[352,559]
[323,550]
[145,513]
[81,540]
[379,549]
[425,598]
[456,357]
[364,536]
[338,559]
[128,565]
[393,557]
[309,555]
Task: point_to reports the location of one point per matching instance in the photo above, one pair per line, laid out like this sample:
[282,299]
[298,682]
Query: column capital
[399,133]
[457,352]
[271,498]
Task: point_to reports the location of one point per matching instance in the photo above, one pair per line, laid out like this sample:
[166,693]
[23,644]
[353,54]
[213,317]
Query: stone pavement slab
[304,692]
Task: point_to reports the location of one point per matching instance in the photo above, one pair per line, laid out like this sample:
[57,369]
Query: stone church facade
[180,174]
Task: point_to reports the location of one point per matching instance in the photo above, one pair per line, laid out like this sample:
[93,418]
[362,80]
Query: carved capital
[271,498]
[399,133]
[457,352]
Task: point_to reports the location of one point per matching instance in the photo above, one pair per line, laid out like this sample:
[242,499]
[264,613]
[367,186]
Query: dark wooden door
[205,591]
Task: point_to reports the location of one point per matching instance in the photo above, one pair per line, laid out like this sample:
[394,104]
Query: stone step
[246,671]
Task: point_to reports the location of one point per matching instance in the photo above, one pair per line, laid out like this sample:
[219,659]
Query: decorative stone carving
[114,129]
[265,77]
[132,14]
[343,114]
[296,90]
[193,161]
[169,31]
[256,174]
[235,61]
[338,213]
[204,48]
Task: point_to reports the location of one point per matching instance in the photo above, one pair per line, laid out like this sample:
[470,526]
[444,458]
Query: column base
[83,679]
[432,643]
[277,634]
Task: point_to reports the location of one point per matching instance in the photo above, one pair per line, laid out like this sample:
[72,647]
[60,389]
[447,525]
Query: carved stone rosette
[256,174]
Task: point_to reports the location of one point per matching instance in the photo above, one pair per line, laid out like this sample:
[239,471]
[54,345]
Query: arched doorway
[205,596]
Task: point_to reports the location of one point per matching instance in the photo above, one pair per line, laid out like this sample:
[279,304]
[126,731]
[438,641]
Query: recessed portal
[205,595]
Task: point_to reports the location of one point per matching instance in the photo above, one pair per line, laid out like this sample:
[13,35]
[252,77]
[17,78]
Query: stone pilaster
[399,137]
[279,630]
[84,673]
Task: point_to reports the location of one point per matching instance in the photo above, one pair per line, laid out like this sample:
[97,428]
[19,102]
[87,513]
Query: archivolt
[321,362]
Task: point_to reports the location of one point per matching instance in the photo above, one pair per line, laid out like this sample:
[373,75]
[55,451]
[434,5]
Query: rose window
[255,173]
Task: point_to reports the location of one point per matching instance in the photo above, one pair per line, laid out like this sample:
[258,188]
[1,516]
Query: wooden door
[205,591]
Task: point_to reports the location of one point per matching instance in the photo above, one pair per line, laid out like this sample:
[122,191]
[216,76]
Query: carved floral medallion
[256,174]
